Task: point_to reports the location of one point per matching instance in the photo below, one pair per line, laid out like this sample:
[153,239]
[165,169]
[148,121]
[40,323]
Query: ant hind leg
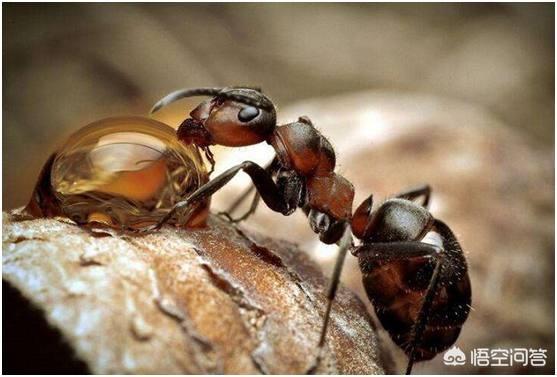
[412,194]
[419,325]
[370,254]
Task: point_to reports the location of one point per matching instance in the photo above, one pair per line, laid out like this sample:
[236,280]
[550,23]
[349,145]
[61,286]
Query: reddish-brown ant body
[421,292]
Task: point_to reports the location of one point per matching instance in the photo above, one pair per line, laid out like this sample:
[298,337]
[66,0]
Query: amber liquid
[125,172]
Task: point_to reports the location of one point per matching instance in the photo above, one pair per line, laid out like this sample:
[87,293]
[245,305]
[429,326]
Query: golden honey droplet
[126,172]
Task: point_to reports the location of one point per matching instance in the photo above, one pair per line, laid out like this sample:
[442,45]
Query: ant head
[233,117]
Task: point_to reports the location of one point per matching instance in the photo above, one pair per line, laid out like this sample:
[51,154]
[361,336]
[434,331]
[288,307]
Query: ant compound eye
[248,113]
[132,163]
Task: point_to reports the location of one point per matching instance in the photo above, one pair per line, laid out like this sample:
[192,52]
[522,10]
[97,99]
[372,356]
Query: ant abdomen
[397,289]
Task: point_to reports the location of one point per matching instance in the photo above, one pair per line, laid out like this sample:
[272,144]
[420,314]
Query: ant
[413,285]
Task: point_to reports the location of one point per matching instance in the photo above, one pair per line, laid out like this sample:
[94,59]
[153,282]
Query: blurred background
[460,96]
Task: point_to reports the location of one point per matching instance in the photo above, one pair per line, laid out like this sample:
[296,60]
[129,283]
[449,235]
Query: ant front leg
[415,193]
[279,199]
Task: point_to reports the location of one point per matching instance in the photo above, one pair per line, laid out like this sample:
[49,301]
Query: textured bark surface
[216,300]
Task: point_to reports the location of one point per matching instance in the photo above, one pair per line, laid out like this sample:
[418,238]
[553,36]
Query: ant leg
[391,251]
[415,193]
[243,196]
[211,158]
[253,207]
[419,325]
[343,245]
[250,211]
[369,254]
[271,167]
[263,181]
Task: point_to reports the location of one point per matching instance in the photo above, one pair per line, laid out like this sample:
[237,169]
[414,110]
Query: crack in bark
[209,362]
[262,252]
[235,293]
[309,295]
[20,239]
[268,256]
[85,262]
[254,318]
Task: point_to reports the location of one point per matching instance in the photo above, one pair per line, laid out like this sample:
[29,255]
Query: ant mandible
[392,257]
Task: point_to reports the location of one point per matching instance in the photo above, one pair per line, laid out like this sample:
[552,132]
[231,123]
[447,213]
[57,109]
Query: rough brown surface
[216,300]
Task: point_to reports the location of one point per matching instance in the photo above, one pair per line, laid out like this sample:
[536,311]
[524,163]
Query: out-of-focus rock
[490,185]
[216,300]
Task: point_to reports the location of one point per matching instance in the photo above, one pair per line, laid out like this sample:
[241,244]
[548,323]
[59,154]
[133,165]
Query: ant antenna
[237,94]
[183,93]
[261,101]
[256,88]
